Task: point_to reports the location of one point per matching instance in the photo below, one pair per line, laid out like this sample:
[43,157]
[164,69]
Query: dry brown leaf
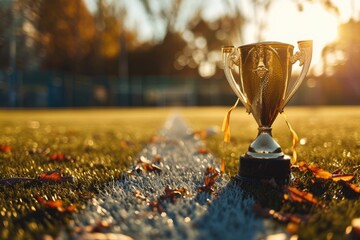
[318,172]
[172,194]
[296,195]
[145,165]
[55,176]
[202,150]
[51,175]
[343,177]
[353,187]
[5,148]
[211,175]
[57,204]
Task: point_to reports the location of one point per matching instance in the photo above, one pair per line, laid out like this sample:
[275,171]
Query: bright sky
[285,22]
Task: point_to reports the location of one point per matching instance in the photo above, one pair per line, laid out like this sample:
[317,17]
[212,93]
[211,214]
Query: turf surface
[101,144]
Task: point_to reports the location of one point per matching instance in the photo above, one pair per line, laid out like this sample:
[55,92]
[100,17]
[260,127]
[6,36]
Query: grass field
[97,145]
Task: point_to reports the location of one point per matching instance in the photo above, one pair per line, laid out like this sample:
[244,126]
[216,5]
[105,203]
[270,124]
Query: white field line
[197,216]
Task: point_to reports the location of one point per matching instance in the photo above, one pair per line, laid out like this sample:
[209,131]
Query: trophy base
[251,168]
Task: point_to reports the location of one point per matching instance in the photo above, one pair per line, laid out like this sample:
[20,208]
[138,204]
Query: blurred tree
[67,36]
[5,29]
[112,39]
[341,72]
[17,35]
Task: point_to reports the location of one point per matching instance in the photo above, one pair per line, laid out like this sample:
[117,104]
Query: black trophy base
[252,169]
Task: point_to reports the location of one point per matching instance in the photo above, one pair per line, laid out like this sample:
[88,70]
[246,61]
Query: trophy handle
[230,57]
[304,57]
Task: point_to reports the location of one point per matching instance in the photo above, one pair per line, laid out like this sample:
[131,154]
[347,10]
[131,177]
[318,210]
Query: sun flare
[287,24]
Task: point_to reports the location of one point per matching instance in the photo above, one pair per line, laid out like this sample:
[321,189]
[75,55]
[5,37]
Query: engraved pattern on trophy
[264,82]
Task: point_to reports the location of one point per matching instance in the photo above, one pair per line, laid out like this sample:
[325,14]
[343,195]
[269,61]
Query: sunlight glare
[313,23]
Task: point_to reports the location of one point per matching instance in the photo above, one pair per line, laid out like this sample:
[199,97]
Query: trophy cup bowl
[264,71]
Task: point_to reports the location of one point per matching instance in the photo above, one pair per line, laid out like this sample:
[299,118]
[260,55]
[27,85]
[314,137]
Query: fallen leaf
[343,177]
[202,150]
[60,157]
[145,165]
[57,204]
[211,175]
[156,206]
[295,195]
[172,194]
[318,172]
[5,148]
[353,187]
[55,176]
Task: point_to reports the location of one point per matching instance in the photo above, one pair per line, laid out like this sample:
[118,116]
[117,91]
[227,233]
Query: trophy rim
[268,43]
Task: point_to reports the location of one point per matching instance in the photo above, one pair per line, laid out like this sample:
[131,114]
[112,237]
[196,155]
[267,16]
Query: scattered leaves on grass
[55,176]
[57,205]
[337,175]
[5,148]
[295,195]
[211,175]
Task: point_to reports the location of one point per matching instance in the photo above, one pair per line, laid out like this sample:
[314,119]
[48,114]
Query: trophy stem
[264,159]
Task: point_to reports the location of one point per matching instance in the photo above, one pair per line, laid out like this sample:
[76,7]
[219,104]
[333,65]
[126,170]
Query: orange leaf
[203,150]
[172,194]
[318,172]
[296,195]
[343,177]
[211,175]
[56,204]
[57,157]
[51,175]
[354,187]
[5,148]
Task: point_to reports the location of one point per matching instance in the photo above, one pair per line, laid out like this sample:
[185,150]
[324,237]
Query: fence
[51,89]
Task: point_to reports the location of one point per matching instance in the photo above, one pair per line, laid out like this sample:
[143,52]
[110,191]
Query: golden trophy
[264,88]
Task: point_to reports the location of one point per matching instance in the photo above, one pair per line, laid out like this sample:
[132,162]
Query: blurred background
[79,53]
